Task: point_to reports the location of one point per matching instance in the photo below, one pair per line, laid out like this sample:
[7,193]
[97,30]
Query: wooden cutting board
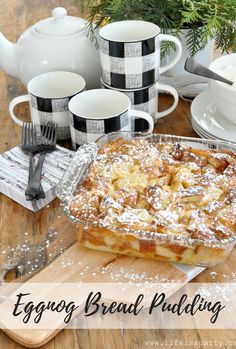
[81,264]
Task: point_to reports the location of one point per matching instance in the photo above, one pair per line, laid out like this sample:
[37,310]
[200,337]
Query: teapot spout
[8,56]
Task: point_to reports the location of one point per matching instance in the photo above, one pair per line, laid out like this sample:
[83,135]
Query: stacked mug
[130,61]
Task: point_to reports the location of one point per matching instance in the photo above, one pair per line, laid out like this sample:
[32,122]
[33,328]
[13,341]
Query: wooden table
[20,226]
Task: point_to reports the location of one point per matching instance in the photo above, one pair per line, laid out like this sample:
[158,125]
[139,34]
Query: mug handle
[174,93]
[13,103]
[165,37]
[136,114]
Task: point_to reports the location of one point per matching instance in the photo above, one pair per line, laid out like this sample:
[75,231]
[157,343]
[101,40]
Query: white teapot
[56,43]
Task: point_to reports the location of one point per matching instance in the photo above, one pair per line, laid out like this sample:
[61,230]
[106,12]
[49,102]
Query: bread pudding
[165,201]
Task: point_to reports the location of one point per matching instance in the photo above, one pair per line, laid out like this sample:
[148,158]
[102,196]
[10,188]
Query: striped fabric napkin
[14,166]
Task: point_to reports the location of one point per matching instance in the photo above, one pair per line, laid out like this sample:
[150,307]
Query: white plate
[210,120]
[202,135]
[198,129]
[201,132]
[205,133]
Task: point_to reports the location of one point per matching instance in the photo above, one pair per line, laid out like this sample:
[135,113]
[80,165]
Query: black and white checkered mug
[97,112]
[130,54]
[48,96]
[146,99]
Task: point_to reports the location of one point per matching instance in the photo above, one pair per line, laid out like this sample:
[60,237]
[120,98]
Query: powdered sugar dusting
[163,188]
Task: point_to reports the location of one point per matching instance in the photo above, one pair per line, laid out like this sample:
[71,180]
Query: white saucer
[201,132]
[209,121]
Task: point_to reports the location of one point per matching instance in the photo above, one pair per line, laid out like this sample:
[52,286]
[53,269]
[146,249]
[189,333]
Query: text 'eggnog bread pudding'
[162,201]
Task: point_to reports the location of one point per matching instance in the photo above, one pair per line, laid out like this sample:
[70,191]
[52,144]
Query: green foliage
[206,19]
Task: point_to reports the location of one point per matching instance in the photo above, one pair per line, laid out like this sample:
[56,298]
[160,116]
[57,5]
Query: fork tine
[30,133]
[47,130]
[55,134]
[52,131]
[27,134]
[43,130]
[48,135]
[23,135]
[34,135]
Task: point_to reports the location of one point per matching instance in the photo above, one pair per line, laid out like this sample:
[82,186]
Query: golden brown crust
[161,188]
[106,240]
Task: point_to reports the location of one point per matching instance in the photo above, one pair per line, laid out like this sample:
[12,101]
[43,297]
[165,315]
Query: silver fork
[30,146]
[47,144]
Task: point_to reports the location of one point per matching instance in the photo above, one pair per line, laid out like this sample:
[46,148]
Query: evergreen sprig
[206,19]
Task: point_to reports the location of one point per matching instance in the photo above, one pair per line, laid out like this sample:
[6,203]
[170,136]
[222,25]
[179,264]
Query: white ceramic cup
[223,94]
[130,54]
[48,96]
[97,112]
[146,99]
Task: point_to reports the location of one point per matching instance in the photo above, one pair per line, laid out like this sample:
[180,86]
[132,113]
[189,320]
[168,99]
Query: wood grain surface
[93,267]
[50,233]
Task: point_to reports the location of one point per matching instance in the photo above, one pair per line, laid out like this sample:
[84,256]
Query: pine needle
[206,19]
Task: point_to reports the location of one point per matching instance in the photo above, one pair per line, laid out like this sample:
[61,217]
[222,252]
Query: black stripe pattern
[85,130]
[49,105]
[130,65]
[47,111]
[101,126]
[144,99]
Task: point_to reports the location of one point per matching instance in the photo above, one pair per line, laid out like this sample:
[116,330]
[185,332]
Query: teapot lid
[60,24]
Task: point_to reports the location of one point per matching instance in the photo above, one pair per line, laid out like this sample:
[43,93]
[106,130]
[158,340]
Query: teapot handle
[13,103]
